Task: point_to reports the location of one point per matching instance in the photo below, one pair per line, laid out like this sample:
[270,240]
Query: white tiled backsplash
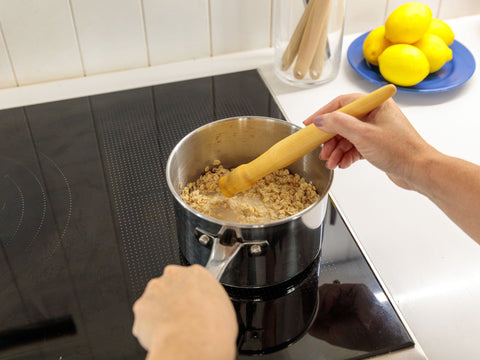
[45,40]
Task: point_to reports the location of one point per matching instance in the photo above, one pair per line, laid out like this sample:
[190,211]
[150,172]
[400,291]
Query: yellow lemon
[436,51]
[408,23]
[442,30]
[374,44]
[403,64]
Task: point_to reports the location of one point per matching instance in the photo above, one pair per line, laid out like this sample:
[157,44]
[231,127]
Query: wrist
[188,344]
[425,172]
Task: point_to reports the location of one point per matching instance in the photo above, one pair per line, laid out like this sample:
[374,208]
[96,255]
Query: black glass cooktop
[86,219]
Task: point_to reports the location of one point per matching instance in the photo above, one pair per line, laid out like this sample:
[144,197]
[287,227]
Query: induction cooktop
[86,220]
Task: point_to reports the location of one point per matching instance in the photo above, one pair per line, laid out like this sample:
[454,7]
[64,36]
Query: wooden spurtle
[293,147]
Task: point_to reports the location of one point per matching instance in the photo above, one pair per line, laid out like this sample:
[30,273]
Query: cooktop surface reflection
[86,220]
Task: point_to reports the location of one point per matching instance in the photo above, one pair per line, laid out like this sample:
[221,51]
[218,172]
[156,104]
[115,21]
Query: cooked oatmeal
[276,196]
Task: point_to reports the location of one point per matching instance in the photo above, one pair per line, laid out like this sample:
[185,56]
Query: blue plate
[452,74]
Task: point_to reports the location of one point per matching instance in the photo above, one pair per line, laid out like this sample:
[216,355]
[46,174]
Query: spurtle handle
[295,146]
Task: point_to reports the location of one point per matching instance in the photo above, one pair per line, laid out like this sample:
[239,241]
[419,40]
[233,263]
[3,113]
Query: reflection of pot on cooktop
[274,317]
[345,315]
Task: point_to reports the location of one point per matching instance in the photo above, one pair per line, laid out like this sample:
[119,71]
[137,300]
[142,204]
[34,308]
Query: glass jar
[308,36]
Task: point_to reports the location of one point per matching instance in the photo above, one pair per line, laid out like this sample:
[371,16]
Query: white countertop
[430,267]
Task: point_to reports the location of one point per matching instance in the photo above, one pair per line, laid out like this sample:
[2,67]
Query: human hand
[186,314]
[384,137]
[350,316]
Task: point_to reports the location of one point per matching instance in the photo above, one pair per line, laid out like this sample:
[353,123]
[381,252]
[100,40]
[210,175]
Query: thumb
[340,123]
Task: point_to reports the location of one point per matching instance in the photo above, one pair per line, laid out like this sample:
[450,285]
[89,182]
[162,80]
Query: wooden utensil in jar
[315,30]
[293,147]
[294,43]
[316,67]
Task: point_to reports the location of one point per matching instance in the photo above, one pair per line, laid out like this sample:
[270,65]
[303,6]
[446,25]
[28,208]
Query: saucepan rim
[201,215]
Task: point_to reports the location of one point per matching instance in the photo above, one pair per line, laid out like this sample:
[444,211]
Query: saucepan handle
[221,254]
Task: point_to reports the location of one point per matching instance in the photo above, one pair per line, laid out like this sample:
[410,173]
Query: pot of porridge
[263,236]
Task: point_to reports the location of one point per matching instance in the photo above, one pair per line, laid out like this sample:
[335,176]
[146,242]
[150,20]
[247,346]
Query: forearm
[454,186]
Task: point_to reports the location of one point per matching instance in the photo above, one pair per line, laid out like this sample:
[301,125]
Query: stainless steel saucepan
[246,255]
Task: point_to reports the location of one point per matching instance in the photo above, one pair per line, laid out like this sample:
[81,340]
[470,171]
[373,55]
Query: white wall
[46,40]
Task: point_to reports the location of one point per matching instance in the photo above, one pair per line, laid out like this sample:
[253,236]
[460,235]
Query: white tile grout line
[209,6]
[77,38]
[438,9]
[144,23]
[271,23]
[385,12]
[9,56]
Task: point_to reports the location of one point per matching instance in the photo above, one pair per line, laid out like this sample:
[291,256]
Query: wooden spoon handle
[293,147]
